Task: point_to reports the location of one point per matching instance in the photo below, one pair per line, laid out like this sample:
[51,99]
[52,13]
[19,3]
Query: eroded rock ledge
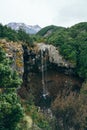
[32,58]
[54,56]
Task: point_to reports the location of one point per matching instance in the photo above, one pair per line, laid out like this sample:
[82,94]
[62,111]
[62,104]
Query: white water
[44,74]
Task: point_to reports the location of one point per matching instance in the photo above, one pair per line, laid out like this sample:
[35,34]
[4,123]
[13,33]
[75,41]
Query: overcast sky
[43,12]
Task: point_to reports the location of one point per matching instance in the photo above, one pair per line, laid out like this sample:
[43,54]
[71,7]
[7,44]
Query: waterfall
[44,74]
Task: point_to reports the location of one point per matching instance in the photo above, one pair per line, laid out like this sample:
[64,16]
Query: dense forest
[69,111]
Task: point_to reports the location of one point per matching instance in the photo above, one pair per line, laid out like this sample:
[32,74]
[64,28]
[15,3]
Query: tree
[82,66]
[24,37]
[11,110]
[1,30]
[8,77]
[8,33]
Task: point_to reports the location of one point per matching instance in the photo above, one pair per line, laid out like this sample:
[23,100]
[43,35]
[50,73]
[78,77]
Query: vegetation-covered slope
[46,31]
[69,109]
[72,43]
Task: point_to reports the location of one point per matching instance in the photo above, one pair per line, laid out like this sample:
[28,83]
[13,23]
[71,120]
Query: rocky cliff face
[31,62]
[54,56]
[55,80]
[14,52]
[33,57]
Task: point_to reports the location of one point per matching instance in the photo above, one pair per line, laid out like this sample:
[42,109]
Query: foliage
[38,38]
[70,111]
[84,88]
[49,29]
[44,30]
[12,35]
[11,110]
[6,32]
[37,115]
[24,37]
[3,58]
[82,63]
[8,77]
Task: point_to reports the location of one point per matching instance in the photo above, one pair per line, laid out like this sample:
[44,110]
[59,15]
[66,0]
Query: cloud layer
[43,12]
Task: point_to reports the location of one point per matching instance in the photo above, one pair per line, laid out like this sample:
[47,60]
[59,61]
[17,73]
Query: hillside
[46,31]
[43,85]
[72,43]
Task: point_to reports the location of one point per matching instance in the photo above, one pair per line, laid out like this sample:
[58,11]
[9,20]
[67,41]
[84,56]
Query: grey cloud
[72,13]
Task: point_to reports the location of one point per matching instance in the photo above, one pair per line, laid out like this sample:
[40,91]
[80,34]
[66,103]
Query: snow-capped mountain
[28,28]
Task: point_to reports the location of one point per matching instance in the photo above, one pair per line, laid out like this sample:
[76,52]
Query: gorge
[46,74]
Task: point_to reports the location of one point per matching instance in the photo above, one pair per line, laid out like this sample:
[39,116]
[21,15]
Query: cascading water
[44,74]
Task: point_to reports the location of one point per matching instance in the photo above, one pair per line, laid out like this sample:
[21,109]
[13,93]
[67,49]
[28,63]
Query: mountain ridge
[30,29]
